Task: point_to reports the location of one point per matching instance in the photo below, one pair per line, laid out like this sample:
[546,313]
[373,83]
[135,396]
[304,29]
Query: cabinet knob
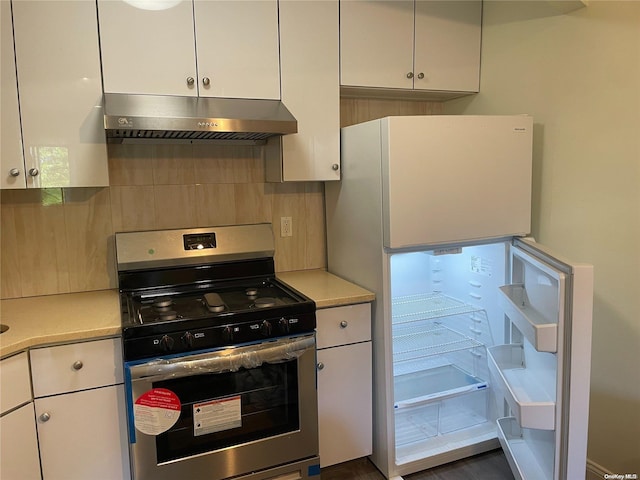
[320,366]
[14,172]
[34,172]
[190,81]
[421,75]
[344,324]
[45,417]
[206,81]
[77,365]
[335,167]
[410,75]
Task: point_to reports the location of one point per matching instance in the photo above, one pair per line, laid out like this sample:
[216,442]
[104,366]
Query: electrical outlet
[286,227]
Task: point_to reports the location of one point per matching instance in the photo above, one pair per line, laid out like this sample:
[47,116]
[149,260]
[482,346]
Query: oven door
[224,413]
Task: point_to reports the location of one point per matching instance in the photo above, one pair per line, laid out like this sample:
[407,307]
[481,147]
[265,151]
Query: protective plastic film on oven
[210,401]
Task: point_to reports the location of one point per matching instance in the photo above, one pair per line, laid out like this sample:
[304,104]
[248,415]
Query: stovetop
[169,320]
[214,302]
[193,289]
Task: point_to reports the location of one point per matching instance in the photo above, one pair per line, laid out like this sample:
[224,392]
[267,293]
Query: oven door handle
[219,361]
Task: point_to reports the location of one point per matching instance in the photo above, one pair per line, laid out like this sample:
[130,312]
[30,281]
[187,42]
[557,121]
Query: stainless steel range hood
[130,118]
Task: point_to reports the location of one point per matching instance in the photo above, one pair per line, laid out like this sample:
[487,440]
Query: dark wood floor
[487,466]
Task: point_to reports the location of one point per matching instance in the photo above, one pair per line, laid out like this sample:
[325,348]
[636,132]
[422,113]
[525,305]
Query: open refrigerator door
[542,375]
[490,341]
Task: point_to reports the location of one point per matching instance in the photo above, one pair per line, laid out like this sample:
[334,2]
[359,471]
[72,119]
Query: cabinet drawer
[343,325]
[15,384]
[76,366]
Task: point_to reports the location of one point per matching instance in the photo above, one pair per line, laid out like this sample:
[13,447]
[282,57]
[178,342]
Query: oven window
[268,400]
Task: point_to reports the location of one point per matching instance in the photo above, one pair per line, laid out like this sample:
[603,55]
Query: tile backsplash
[61,240]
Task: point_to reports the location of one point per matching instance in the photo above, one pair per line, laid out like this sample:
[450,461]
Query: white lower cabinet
[18,441]
[82,435]
[19,453]
[344,383]
[80,411]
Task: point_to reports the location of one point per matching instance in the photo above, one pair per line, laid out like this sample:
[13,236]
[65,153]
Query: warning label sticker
[482,266]
[156,411]
[217,415]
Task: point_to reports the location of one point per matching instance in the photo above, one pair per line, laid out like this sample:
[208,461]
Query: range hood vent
[130,118]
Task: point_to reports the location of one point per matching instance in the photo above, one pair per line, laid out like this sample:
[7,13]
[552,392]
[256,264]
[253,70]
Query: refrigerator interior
[444,314]
[448,312]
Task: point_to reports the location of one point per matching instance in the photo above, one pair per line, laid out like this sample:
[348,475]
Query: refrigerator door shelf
[523,460]
[540,332]
[531,402]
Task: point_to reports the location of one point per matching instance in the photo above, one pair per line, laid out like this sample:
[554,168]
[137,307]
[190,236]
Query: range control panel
[198,337]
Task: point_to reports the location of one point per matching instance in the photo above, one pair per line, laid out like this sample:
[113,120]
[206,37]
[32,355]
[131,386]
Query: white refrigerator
[481,336]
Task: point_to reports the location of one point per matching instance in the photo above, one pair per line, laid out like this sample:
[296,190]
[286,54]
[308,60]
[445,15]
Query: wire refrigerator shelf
[436,340]
[410,308]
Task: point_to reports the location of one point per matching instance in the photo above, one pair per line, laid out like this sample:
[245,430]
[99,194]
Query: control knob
[266,328]
[227,334]
[166,342]
[187,339]
[283,325]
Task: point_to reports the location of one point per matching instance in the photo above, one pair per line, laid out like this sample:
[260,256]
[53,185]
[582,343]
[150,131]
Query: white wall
[578,74]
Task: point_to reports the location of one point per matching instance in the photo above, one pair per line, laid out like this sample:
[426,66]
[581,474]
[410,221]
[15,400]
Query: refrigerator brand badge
[125,122]
[448,251]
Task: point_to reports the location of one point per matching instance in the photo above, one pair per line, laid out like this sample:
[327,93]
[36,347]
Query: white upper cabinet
[310,90]
[11,159]
[147,51]
[237,48]
[447,45]
[60,92]
[194,48]
[419,45]
[376,43]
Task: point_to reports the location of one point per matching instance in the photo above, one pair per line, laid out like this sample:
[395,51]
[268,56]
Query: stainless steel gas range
[219,357]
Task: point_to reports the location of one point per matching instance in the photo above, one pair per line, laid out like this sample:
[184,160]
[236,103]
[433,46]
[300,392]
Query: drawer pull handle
[344,324]
[45,417]
[77,365]
[320,366]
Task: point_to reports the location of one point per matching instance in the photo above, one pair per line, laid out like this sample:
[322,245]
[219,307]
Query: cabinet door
[147,51]
[60,91]
[237,48]
[15,382]
[83,435]
[344,403]
[11,145]
[309,52]
[19,453]
[447,48]
[376,43]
